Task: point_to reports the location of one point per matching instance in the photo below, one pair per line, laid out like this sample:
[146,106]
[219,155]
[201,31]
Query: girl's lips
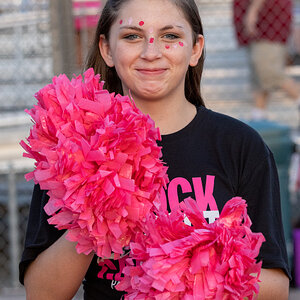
[151,71]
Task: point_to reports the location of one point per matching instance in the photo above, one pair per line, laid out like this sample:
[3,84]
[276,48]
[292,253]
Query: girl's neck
[169,116]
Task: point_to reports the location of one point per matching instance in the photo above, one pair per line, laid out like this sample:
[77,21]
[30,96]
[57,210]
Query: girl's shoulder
[224,124]
[231,133]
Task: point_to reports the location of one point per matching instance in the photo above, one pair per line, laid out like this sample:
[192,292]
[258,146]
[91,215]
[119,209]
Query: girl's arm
[274,285]
[56,274]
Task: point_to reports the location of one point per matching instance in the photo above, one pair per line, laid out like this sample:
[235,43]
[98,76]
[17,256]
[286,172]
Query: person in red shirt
[264,26]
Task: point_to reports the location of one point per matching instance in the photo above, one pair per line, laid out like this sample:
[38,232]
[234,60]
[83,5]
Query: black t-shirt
[212,159]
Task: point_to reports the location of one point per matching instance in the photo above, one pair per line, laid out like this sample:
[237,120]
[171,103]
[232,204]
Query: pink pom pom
[203,261]
[97,156]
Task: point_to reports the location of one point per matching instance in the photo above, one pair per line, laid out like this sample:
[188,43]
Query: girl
[154,49]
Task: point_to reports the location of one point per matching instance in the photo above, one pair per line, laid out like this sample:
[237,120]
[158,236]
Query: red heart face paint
[167,47]
[181,44]
[141,23]
[151,40]
[121,21]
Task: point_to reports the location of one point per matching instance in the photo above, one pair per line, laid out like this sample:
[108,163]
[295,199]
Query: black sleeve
[39,234]
[260,187]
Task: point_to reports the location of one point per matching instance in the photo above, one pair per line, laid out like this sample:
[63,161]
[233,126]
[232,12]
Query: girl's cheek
[175,46]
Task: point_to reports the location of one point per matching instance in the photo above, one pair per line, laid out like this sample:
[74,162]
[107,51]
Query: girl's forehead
[151,15]
[147,10]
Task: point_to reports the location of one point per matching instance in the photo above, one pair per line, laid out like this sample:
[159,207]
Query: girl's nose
[151,50]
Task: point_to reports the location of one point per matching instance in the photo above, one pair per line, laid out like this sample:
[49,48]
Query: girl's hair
[109,75]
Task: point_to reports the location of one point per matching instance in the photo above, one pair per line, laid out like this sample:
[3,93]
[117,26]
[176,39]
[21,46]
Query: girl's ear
[105,50]
[197,51]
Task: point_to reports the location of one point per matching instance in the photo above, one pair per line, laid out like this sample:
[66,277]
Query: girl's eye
[171,36]
[131,37]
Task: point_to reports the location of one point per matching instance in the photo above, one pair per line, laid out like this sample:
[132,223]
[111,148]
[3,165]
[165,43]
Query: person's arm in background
[274,285]
[57,272]
[252,16]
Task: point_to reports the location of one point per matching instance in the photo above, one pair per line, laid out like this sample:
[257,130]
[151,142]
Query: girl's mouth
[156,71]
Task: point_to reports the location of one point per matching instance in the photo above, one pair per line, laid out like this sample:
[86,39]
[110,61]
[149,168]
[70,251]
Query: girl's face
[151,46]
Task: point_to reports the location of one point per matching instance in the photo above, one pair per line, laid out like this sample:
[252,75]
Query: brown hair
[109,75]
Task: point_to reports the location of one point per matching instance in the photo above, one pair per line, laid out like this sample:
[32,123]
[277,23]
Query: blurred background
[43,38]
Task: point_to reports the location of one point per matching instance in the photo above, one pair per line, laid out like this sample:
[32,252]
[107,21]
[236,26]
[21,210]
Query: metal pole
[63,37]
[14,247]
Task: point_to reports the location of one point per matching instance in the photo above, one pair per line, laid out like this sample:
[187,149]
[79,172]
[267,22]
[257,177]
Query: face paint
[151,40]
[141,23]
[121,21]
[181,44]
[175,46]
[130,21]
[167,47]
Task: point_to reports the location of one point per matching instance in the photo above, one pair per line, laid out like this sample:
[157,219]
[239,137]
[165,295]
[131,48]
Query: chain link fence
[28,62]
[13,220]
[25,52]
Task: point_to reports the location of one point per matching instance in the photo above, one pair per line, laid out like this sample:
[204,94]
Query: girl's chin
[151,90]
[149,94]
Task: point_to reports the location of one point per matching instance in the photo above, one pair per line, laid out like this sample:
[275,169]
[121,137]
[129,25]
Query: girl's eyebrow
[167,27]
[131,27]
